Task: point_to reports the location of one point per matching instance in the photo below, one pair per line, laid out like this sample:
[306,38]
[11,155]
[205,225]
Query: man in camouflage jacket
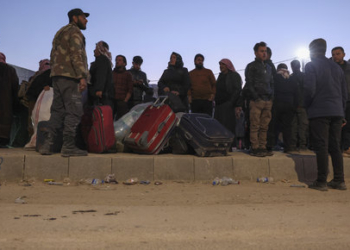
[69,72]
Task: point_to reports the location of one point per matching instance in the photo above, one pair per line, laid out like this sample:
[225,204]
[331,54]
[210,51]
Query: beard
[81,25]
[199,66]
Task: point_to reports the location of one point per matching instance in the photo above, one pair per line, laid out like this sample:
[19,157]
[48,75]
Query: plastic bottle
[264,179]
[55,183]
[228,181]
[216,181]
[97,181]
[131,181]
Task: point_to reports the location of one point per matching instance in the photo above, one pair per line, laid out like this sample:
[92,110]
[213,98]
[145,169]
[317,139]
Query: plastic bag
[123,126]
[41,112]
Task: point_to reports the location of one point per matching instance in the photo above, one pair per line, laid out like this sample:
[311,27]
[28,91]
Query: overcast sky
[154,29]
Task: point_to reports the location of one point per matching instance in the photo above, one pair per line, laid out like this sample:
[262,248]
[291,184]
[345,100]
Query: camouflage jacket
[68,55]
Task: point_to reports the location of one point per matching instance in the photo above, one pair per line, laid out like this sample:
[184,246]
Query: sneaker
[337,185]
[257,152]
[319,186]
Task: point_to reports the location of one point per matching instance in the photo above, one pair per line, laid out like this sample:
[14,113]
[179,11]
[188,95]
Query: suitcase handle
[188,136]
[156,103]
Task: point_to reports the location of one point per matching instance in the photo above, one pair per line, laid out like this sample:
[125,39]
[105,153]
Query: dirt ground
[173,216]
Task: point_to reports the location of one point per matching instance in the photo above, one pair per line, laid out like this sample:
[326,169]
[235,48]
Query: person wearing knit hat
[203,87]
[318,47]
[325,97]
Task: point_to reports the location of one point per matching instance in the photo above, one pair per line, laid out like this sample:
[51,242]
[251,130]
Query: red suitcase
[98,129]
[151,131]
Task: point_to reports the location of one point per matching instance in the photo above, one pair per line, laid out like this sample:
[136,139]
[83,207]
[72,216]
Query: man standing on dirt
[325,97]
[69,71]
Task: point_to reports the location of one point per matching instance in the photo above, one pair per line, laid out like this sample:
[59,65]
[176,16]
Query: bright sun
[303,53]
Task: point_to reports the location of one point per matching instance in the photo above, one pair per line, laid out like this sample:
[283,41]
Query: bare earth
[173,216]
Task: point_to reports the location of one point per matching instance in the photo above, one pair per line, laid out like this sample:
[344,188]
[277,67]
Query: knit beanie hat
[318,46]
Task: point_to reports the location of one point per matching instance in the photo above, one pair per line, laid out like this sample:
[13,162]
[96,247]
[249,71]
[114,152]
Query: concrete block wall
[24,165]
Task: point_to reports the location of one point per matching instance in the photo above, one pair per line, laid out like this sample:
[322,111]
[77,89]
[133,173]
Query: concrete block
[310,169]
[207,168]
[11,167]
[125,166]
[168,167]
[94,166]
[250,167]
[45,167]
[286,167]
[346,167]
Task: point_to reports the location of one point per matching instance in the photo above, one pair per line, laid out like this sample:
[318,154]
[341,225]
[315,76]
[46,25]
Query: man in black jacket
[101,89]
[139,80]
[259,81]
[325,97]
[338,55]
[300,124]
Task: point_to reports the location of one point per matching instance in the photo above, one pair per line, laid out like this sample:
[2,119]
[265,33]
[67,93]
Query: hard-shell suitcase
[206,135]
[97,129]
[40,138]
[151,131]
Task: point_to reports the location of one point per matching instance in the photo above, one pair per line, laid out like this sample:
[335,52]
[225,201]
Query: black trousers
[120,108]
[285,113]
[346,129]
[325,135]
[300,128]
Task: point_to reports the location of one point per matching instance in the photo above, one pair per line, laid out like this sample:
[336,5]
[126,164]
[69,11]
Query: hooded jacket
[325,88]
[176,78]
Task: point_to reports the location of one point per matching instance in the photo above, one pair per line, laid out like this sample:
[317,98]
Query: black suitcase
[40,138]
[206,135]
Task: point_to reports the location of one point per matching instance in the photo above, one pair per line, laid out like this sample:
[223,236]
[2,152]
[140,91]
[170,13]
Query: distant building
[23,74]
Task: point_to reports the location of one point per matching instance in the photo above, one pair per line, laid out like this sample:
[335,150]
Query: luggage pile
[159,129]
[149,129]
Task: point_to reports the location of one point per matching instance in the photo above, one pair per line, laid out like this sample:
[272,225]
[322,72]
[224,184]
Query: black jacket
[259,81]
[325,92]
[297,78]
[139,88]
[38,85]
[228,89]
[176,79]
[101,79]
[286,91]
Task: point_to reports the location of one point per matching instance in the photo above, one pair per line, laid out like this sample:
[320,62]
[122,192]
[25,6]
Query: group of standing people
[269,95]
